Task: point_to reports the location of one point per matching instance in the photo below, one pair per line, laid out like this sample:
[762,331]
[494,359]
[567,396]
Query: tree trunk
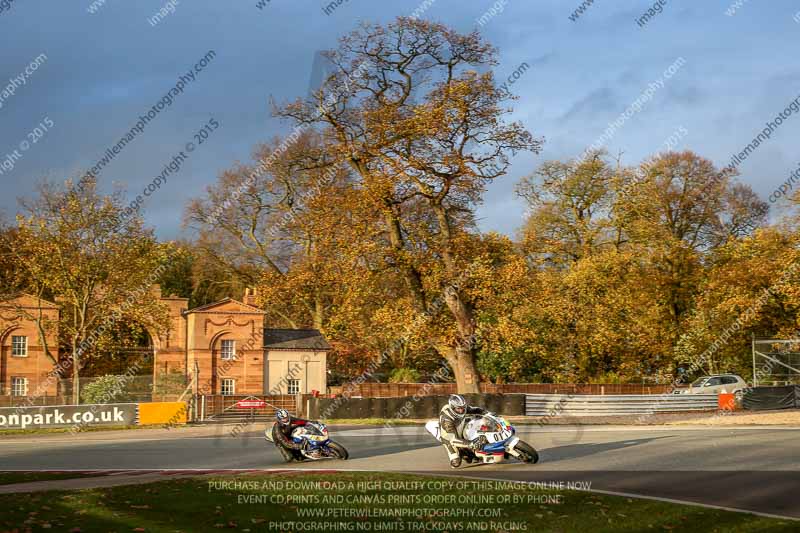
[319,310]
[462,356]
[462,362]
[410,274]
[76,398]
[39,321]
[467,379]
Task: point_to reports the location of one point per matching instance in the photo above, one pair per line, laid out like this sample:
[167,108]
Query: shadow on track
[379,446]
[575,451]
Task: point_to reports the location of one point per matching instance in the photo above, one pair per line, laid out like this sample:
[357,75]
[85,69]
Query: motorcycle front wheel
[338,450]
[529,454]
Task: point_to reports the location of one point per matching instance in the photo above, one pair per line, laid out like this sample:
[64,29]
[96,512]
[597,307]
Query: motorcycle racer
[282,434]
[451,425]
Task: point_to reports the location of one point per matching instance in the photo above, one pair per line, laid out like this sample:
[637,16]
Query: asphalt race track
[749,468]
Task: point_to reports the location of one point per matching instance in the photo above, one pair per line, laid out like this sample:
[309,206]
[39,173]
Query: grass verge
[9,478]
[84,429]
[356,501]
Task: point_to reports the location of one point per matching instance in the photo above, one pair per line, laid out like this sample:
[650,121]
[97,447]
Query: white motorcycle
[318,444]
[497,439]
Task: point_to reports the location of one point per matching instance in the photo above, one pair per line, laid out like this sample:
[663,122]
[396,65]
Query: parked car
[720,383]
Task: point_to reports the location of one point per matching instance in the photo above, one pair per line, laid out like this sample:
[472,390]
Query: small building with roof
[222,348]
[226,348]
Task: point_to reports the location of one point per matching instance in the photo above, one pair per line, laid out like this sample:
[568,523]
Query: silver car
[716,384]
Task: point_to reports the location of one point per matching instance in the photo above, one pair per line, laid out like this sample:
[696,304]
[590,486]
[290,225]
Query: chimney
[250,296]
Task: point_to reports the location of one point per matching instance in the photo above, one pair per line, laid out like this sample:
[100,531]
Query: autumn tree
[193,273]
[623,257]
[15,280]
[81,249]
[570,206]
[423,133]
[9,276]
[260,225]
[299,231]
[752,288]
[681,209]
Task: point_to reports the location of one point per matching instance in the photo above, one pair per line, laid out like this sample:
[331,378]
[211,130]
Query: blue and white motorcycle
[497,439]
[318,444]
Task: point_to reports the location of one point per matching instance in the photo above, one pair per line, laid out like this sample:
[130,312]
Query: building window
[228,387]
[19,386]
[228,349]
[294,386]
[19,346]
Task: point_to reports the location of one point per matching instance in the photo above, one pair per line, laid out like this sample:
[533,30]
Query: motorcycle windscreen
[309,432]
[489,427]
[477,426]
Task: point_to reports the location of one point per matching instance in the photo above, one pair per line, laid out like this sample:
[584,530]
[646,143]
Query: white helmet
[457,404]
[282,416]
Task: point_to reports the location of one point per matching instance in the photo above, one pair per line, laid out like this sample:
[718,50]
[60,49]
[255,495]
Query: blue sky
[104,69]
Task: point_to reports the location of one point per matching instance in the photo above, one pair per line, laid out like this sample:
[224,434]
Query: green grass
[8,478]
[195,504]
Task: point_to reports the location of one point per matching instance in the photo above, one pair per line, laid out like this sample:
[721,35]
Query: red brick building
[224,347]
[24,365]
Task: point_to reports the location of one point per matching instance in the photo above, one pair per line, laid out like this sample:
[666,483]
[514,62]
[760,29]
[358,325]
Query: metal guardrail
[614,405]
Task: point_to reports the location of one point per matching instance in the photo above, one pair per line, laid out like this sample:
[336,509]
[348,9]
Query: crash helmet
[458,405]
[282,416]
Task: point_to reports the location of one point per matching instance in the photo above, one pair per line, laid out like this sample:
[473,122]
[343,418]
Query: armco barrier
[629,404]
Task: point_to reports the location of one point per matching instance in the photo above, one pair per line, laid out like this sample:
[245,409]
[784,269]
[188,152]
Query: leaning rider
[282,434]
[451,426]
